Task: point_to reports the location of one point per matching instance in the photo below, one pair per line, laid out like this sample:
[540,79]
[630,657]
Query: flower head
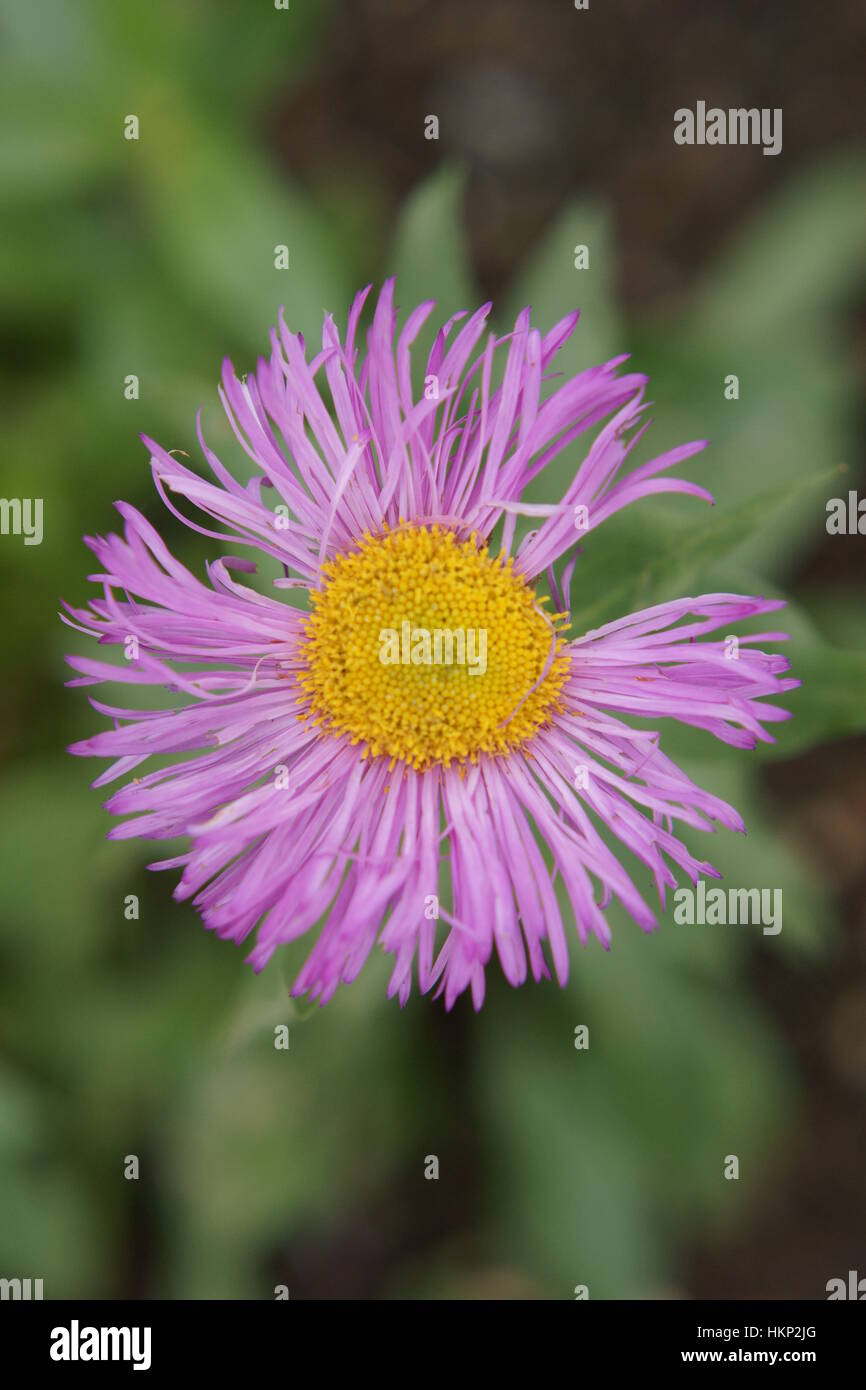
[417,758]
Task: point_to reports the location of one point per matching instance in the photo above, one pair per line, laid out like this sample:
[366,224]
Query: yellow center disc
[428,650]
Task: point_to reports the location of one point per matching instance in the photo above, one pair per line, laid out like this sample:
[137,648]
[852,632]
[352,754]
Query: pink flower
[332,770]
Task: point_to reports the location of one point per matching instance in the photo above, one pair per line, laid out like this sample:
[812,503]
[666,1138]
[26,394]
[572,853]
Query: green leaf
[553,287]
[51,144]
[831,702]
[601,1155]
[762,858]
[800,254]
[770,313]
[218,215]
[677,563]
[428,254]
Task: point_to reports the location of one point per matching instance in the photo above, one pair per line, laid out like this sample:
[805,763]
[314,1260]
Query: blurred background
[155,257]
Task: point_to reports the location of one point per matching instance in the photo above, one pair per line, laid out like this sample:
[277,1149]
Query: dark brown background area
[541,101]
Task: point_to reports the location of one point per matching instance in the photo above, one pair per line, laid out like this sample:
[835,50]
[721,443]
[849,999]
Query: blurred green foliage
[151,1037]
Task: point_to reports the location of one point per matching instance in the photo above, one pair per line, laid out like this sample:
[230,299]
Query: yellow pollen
[429,650]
